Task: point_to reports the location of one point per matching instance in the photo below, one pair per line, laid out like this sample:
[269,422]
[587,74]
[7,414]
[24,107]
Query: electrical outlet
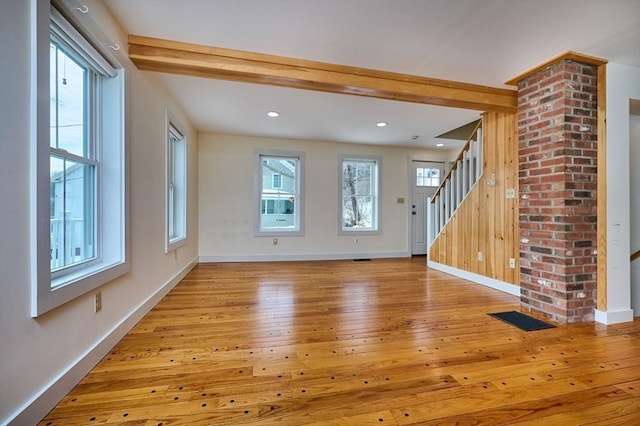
[480,256]
[275,241]
[512,263]
[97,303]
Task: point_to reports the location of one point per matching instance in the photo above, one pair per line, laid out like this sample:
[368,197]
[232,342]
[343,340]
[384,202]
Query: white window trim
[172,244]
[257,193]
[378,197]
[48,293]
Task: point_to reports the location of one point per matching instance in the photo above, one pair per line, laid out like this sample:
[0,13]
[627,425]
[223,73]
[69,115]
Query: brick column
[557,119]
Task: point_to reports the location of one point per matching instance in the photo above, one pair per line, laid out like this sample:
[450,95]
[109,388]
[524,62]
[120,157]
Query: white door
[634,165]
[426,178]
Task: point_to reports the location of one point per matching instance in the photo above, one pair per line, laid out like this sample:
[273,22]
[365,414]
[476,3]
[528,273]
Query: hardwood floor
[341,342]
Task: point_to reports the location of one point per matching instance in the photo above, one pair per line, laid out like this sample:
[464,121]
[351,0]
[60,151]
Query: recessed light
[382,124]
[273,114]
[439,144]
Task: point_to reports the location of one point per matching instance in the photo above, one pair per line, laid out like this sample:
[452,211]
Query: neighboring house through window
[278,182]
[79,164]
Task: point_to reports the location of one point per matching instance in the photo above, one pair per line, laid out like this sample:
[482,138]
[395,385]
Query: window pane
[357,178]
[359,185]
[357,212]
[285,169]
[68,103]
[280,212]
[176,187]
[72,192]
[427,177]
[278,196]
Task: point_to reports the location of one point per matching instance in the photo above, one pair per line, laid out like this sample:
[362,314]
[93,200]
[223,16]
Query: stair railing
[463,175]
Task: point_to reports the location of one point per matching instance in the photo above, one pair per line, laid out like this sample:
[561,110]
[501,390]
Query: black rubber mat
[522,321]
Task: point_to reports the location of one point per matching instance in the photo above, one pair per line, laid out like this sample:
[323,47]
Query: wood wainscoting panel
[487,221]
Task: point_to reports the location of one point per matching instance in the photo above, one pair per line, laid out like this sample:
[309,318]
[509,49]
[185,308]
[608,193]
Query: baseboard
[614,317]
[298,257]
[43,402]
[479,279]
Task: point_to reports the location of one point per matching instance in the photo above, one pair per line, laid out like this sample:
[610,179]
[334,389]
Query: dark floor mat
[522,321]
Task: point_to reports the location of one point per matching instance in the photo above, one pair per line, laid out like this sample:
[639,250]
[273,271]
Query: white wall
[623,83]
[46,356]
[226,201]
[634,168]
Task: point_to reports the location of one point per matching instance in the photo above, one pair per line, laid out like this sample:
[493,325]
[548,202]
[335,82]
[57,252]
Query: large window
[73,166]
[79,163]
[359,194]
[176,184]
[278,193]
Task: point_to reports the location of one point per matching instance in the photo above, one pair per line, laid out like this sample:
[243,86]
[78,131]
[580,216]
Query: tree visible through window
[359,193]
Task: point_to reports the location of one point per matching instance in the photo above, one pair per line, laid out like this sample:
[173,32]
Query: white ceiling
[473,41]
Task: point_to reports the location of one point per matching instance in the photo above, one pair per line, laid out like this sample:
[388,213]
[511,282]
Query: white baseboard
[614,317]
[480,279]
[297,257]
[45,400]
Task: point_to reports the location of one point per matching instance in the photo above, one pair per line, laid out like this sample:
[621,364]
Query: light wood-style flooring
[381,342]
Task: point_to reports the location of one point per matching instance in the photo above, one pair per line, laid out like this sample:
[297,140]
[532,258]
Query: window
[78,164]
[359,194]
[176,184]
[278,182]
[427,177]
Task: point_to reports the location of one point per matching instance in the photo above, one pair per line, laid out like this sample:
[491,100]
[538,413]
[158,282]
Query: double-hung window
[359,194]
[79,163]
[279,193]
[73,160]
[176,184]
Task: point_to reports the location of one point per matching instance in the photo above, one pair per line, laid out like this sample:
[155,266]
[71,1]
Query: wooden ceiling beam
[166,56]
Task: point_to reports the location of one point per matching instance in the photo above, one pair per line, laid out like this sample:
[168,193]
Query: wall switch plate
[480,256]
[275,241]
[511,193]
[512,263]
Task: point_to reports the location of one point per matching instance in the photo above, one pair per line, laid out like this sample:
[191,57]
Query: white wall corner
[50,395]
[476,278]
[613,317]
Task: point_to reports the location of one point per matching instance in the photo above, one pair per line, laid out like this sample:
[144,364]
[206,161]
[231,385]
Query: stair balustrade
[463,175]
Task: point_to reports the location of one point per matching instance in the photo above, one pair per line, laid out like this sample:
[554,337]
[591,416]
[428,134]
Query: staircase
[463,175]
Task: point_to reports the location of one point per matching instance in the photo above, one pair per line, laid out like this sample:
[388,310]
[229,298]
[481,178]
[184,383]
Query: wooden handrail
[635,255]
[455,162]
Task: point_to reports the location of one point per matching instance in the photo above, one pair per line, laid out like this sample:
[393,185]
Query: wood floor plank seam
[338,342]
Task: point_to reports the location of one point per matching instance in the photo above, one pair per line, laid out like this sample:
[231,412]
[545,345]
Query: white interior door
[426,177]
[634,185]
